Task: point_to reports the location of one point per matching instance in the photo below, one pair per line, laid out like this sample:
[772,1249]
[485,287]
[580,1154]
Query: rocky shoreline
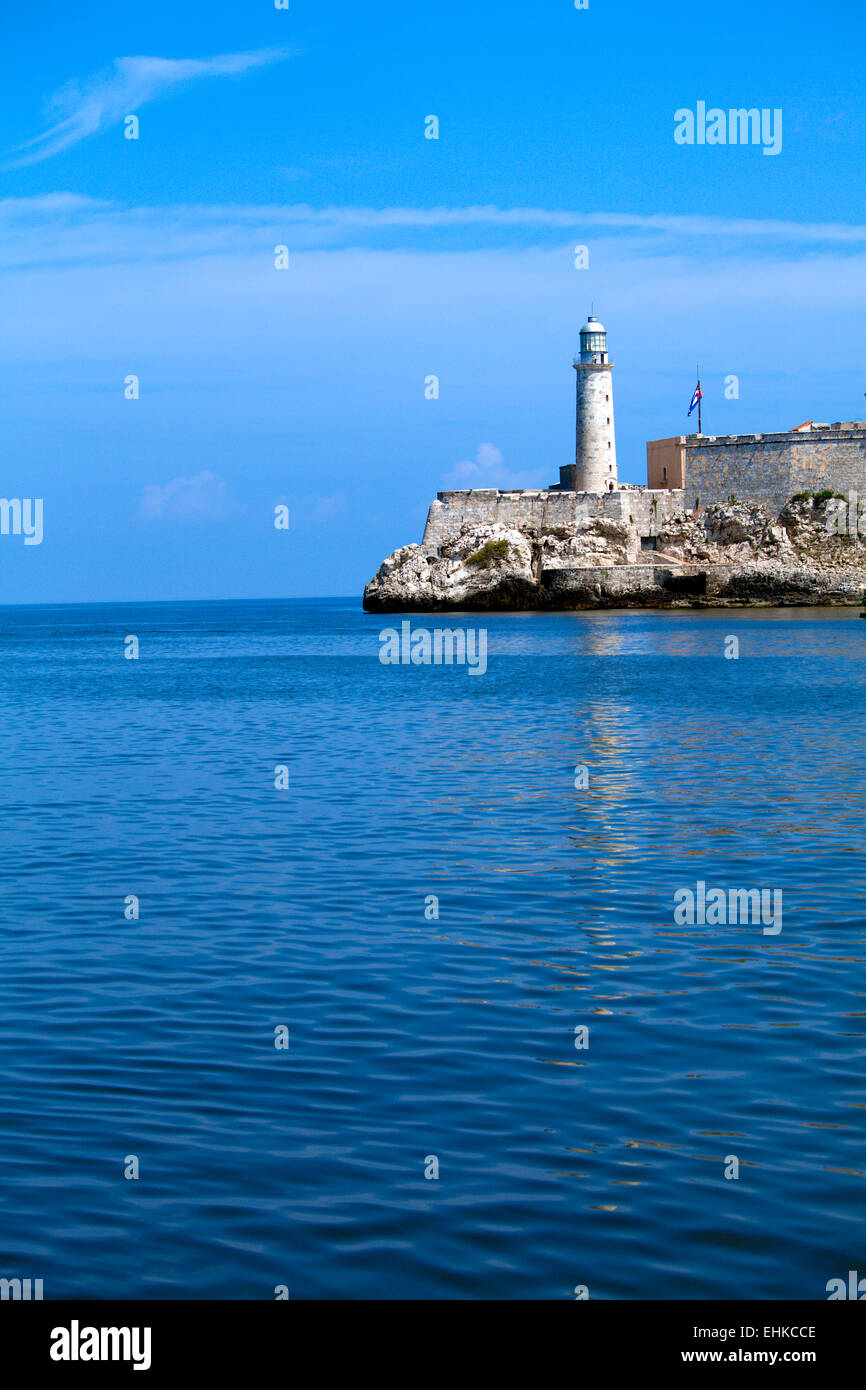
[727,555]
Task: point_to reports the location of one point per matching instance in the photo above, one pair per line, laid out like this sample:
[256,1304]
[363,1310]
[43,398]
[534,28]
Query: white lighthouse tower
[594,468]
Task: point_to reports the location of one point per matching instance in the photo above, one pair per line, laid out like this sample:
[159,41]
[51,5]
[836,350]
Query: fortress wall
[772,467]
[769,468]
[542,512]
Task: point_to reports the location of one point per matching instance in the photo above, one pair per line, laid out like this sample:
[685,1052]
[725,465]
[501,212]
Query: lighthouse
[594,468]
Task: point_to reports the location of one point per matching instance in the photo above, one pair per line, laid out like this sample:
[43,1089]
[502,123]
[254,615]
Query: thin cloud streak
[490,215]
[225,227]
[86,107]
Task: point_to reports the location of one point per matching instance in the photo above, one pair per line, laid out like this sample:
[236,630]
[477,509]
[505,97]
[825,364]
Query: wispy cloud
[94,230]
[491,216]
[203,497]
[82,108]
[488,470]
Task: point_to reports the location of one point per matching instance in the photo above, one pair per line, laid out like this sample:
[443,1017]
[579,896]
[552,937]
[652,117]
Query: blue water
[413,1037]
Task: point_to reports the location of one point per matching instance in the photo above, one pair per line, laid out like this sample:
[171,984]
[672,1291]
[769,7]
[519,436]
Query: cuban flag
[698,396]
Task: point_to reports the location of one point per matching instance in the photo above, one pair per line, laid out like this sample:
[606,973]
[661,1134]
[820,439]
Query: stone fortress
[756,518]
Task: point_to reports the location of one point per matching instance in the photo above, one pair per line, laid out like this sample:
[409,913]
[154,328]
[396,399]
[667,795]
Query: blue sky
[408,257]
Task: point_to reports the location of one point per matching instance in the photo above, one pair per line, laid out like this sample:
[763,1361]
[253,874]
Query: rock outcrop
[725,555]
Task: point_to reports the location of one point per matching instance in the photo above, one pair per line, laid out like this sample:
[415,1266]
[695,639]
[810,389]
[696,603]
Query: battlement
[768,468]
[543,512]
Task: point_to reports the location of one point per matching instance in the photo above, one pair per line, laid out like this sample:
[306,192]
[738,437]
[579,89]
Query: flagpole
[700,399]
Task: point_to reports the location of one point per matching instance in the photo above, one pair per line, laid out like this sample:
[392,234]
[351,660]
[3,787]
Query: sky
[408,257]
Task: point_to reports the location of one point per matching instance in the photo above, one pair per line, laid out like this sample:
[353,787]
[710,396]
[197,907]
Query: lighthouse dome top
[593,343]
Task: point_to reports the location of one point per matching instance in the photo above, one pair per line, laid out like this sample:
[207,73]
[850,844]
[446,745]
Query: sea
[322,977]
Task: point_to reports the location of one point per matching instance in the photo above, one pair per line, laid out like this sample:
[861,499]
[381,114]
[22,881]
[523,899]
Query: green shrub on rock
[493,550]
